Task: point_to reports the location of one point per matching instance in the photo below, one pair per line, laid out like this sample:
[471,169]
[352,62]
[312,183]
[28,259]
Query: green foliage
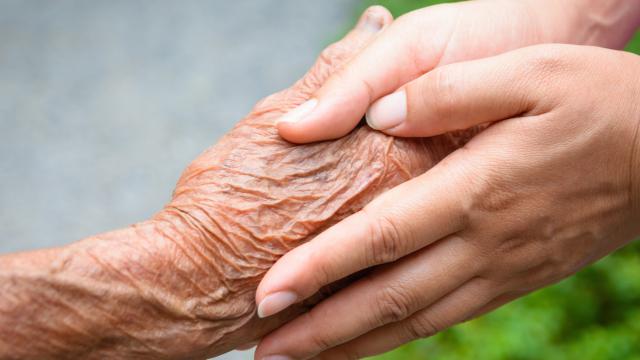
[634,44]
[592,315]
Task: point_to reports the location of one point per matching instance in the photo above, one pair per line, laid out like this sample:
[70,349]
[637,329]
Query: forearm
[115,296]
[605,23]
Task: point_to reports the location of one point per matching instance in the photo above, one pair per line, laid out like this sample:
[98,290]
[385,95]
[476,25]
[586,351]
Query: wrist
[226,267]
[181,292]
[609,23]
[135,292]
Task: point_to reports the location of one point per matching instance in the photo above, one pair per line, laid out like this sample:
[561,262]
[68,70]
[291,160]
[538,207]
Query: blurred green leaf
[634,44]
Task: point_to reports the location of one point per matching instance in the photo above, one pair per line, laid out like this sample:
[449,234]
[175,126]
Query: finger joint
[422,327]
[393,304]
[384,239]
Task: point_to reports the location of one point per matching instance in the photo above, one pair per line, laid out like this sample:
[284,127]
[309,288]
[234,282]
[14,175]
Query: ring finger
[454,308]
[390,294]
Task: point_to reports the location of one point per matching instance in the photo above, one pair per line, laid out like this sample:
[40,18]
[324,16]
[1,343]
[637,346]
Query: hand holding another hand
[550,187]
[427,38]
[182,284]
[527,202]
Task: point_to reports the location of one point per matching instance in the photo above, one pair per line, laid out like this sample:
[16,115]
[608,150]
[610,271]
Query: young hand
[551,186]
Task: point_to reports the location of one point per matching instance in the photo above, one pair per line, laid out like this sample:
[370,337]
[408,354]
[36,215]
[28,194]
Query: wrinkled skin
[253,196]
[182,285]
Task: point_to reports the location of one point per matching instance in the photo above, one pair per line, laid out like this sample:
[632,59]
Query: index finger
[399,222]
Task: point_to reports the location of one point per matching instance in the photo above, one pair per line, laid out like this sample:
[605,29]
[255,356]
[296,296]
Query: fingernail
[373,21]
[388,112]
[300,112]
[276,357]
[275,303]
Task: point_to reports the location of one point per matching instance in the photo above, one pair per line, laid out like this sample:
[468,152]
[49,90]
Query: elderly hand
[527,202]
[182,285]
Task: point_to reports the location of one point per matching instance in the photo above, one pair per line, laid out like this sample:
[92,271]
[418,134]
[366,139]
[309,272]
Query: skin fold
[182,284]
[529,201]
[549,187]
[434,36]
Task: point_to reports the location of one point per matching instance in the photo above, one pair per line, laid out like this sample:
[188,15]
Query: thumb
[385,64]
[462,95]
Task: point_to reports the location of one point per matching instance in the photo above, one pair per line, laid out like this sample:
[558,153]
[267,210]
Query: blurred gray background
[103,103]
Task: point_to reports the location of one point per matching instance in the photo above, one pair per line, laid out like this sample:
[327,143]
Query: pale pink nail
[276,302]
[300,112]
[373,21]
[388,112]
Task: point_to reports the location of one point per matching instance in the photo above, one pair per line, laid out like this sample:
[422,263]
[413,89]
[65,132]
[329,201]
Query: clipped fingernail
[276,357]
[300,112]
[388,112]
[275,303]
[373,21]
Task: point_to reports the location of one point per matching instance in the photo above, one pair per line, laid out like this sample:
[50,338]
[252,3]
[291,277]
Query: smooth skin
[552,185]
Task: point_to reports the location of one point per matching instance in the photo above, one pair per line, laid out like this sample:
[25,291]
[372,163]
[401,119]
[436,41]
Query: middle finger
[390,294]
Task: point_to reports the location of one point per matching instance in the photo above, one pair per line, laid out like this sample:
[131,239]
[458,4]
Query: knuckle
[322,269]
[492,196]
[393,304]
[487,187]
[326,67]
[384,239]
[422,327]
[271,101]
[543,66]
[484,260]
[545,61]
[320,341]
[333,53]
[439,94]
